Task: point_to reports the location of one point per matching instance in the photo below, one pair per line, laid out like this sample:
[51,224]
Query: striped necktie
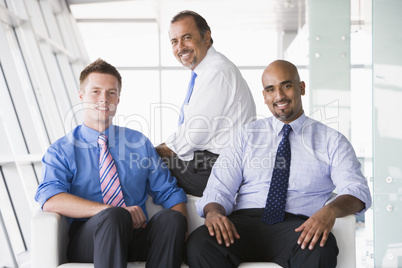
[276,201]
[188,96]
[109,178]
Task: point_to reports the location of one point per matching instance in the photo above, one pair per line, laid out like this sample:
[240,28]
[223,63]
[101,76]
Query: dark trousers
[108,240]
[259,242]
[192,176]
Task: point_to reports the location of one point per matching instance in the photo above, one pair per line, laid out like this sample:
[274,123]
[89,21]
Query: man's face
[187,44]
[282,92]
[100,97]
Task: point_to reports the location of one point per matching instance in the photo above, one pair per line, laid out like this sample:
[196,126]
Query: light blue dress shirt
[322,159]
[70,165]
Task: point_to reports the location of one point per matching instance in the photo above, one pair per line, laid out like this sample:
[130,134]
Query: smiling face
[283,90]
[100,96]
[188,46]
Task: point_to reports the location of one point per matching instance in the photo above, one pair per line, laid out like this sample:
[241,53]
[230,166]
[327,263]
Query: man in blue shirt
[107,235]
[238,228]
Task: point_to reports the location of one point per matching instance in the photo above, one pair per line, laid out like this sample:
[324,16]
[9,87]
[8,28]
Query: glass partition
[387,132]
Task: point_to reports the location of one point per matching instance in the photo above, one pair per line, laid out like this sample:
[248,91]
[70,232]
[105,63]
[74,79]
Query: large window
[39,59]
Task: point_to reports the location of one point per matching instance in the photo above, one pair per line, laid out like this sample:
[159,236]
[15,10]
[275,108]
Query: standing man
[217,102]
[99,176]
[266,198]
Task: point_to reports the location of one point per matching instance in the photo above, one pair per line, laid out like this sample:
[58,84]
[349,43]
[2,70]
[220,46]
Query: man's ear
[263,96]
[207,39]
[81,95]
[302,88]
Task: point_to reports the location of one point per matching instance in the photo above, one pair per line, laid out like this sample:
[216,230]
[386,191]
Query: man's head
[283,90]
[190,37]
[100,87]
[102,67]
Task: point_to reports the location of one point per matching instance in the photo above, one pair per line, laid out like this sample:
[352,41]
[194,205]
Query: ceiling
[278,15]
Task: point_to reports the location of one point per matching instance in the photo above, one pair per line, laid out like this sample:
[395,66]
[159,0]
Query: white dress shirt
[221,102]
[322,159]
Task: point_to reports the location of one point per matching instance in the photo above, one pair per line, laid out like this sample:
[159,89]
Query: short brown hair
[201,23]
[99,66]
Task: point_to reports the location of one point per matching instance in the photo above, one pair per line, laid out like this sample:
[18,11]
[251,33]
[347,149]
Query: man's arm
[164,151]
[219,225]
[73,206]
[76,207]
[321,222]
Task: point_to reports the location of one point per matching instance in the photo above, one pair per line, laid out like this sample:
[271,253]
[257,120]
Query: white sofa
[49,239]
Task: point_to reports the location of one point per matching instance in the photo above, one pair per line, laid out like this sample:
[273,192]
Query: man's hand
[320,223]
[137,216]
[164,151]
[219,225]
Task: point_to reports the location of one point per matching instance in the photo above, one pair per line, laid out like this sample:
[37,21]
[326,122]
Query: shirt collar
[296,124]
[91,135]
[203,65]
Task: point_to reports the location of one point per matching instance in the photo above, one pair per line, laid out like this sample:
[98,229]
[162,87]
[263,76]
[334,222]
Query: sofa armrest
[344,231]
[49,238]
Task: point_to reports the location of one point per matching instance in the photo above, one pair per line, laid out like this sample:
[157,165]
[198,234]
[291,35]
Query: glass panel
[329,57]
[139,93]
[11,222]
[7,258]
[259,53]
[253,78]
[387,132]
[122,44]
[19,87]
[174,88]
[115,9]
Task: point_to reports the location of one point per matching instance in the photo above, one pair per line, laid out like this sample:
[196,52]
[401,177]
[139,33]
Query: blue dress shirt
[322,159]
[70,165]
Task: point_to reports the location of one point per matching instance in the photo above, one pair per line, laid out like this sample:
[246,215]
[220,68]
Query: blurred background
[348,52]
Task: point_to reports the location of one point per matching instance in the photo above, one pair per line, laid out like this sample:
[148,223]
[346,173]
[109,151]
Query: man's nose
[103,97]
[279,94]
[180,45]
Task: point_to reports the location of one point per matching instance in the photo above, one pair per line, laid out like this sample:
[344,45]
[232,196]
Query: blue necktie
[187,99]
[276,202]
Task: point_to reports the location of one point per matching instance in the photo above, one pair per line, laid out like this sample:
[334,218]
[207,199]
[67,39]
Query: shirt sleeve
[56,176]
[162,186]
[346,172]
[207,108]
[225,179]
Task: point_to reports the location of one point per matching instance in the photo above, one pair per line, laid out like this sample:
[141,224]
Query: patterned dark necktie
[109,178]
[276,202]
[187,99]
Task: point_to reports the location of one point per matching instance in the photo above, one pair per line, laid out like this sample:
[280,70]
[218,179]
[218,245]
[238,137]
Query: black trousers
[192,176]
[108,240]
[259,242]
